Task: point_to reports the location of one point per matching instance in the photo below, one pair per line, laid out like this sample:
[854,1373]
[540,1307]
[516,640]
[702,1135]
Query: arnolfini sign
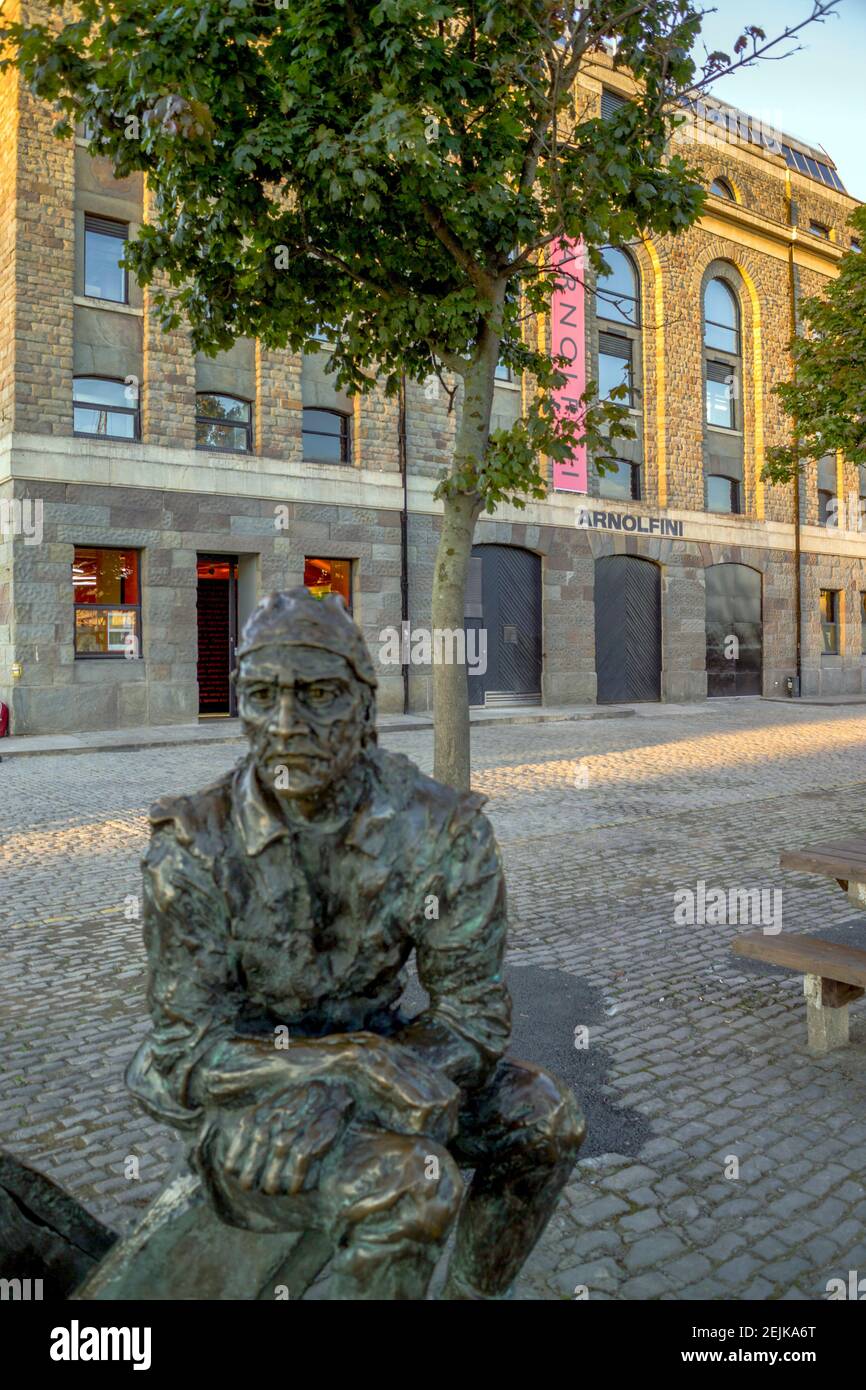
[568,340]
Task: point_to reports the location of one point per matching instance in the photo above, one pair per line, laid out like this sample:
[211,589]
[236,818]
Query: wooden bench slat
[808,955]
[833,858]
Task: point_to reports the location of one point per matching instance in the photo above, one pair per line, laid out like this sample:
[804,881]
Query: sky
[818,94]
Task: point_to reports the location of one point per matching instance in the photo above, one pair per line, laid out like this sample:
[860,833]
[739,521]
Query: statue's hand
[395,1089]
[276,1146]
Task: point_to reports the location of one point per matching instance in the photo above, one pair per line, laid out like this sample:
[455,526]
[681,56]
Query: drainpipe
[404,535]
[792,293]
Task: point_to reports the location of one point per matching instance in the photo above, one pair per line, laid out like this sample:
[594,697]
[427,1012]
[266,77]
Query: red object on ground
[4,719]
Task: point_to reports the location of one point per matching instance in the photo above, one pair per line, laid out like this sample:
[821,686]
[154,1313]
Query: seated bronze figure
[281,907]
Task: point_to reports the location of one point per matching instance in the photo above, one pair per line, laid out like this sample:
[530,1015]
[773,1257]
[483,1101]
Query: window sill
[215,449]
[89,301]
[108,438]
[508,385]
[723,429]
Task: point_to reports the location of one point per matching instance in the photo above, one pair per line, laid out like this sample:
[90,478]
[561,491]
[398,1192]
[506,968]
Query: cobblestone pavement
[600,823]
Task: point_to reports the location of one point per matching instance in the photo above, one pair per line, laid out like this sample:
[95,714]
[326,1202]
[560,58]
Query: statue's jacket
[254,925]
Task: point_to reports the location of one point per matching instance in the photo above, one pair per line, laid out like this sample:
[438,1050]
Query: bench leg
[826,1025]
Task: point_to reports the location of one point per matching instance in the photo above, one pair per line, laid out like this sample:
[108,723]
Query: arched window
[723,413]
[721,318]
[223,422]
[722,353]
[617,307]
[326,436]
[105,407]
[617,297]
[722,189]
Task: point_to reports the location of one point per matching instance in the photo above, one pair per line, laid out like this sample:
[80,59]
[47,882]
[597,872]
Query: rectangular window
[326,436]
[620,481]
[825,508]
[863,624]
[329,577]
[723,494]
[721,392]
[830,621]
[104,244]
[503,372]
[615,367]
[818,229]
[107,598]
[224,423]
[104,408]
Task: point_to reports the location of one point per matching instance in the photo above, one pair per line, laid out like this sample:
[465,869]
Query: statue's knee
[417,1191]
[557,1127]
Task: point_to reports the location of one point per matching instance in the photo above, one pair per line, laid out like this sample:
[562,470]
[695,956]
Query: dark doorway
[503,599]
[735,632]
[628,630]
[217,605]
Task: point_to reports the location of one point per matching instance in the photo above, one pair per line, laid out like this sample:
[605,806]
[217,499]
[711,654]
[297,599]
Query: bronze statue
[281,905]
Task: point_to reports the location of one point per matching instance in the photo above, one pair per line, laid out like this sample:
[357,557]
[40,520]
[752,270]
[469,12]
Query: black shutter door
[511,617]
[627,629]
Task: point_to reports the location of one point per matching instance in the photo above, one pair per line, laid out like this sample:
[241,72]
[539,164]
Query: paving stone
[651,1249]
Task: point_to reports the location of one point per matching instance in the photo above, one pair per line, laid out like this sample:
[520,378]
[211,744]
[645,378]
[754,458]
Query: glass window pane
[222,407]
[100,391]
[329,577]
[104,277]
[105,576]
[720,404]
[721,318]
[617,292]
[323,448]
[213,434]
[719,494]
[105,422]
[325,421]
[106,632]
[616,484]
[725,339]
[612,371]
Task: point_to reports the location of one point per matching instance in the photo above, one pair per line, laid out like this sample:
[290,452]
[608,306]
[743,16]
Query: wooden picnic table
[834,974]
[844,860]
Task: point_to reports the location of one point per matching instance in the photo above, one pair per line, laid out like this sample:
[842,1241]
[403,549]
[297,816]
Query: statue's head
[306,693]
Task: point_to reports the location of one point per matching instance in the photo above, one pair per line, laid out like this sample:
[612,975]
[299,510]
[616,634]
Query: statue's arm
[194,1060]
[460,955]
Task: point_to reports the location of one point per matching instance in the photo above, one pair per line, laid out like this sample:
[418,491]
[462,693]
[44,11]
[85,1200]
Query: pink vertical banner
[568,340]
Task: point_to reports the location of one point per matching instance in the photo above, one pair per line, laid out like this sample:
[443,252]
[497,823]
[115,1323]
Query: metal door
[628,630]
[735,632]
[503,599]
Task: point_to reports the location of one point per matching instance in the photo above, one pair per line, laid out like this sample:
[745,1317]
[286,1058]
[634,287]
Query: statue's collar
[259,825]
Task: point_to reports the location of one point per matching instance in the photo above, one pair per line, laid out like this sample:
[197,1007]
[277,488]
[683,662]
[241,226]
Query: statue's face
[303,712]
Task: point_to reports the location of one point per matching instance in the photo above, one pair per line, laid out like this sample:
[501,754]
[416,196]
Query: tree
[826,397]
[399,169]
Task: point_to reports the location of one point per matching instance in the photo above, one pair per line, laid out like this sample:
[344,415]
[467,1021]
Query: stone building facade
[149,496]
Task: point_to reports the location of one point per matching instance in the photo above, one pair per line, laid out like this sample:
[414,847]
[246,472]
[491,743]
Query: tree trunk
[451,760]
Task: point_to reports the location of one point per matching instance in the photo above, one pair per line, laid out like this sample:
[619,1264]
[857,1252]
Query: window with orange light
[107,596]
[329,577]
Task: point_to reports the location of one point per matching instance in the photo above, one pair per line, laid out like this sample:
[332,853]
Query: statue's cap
[298,619]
